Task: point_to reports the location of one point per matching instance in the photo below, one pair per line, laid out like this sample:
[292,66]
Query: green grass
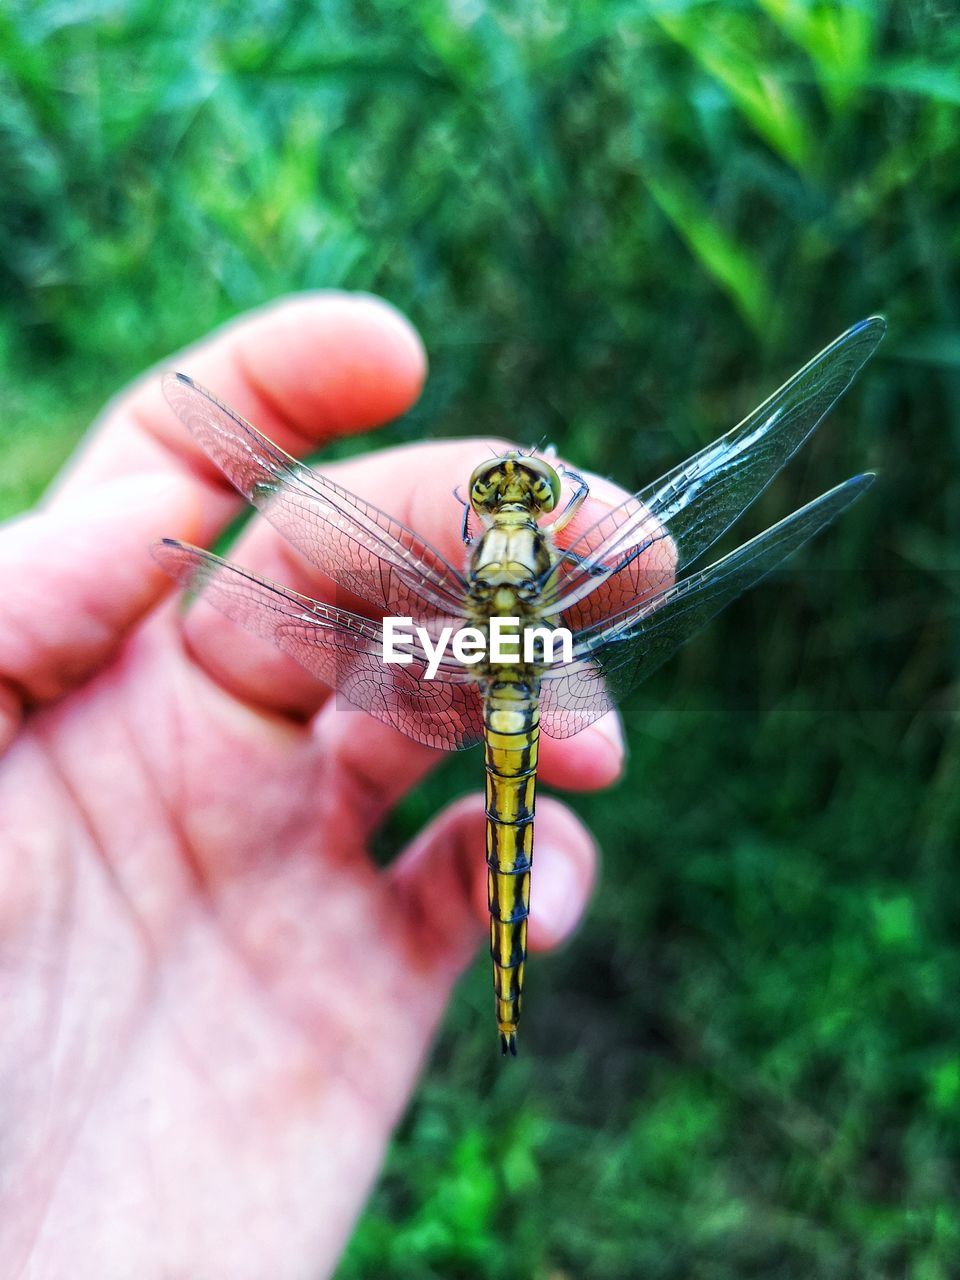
[618,227]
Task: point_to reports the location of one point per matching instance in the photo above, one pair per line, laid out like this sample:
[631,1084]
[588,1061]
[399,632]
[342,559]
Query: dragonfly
[628,588]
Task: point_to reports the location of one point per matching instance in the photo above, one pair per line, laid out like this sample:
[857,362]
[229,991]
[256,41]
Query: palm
[247,1005]
[218,1003]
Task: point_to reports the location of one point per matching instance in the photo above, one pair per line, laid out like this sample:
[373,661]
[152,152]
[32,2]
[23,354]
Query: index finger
[307,368]
[310,367]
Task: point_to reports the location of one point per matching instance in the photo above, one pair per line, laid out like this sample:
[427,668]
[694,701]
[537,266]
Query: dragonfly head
[514,477]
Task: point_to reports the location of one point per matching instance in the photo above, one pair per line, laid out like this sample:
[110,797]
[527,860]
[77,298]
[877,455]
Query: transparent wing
[672,522]
[339,648]
[611,658]
[360,547]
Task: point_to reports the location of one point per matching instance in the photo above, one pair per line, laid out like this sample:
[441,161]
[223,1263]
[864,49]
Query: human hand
[215,1006]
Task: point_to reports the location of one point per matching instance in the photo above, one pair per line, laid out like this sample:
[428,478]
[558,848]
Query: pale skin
[214,1006]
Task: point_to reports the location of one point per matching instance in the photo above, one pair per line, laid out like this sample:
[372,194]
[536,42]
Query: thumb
[440,882]
[73,580]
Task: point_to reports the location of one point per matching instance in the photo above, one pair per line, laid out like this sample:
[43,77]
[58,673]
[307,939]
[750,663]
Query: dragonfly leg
[464,536]
[582,562]
[600,570]
[574,505]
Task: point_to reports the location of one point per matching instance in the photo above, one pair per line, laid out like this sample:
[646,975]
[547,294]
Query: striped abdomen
[511,718]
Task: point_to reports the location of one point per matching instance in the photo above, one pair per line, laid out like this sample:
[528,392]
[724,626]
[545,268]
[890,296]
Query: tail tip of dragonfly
[508,1043]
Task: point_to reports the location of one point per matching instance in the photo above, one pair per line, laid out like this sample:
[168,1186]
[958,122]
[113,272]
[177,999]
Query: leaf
[728,262]
[927,79]
[838,39]
[724,49]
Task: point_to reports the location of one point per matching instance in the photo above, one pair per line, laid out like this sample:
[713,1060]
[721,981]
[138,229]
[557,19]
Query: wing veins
[279,485]
[720,482]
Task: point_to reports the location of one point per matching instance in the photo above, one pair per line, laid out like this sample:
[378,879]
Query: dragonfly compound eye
[544,483]
[485,486]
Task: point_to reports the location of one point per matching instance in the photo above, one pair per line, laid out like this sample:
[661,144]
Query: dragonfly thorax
[510,559]
[514,478]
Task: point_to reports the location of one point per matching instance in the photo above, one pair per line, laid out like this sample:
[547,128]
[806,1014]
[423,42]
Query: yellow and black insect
[624,588]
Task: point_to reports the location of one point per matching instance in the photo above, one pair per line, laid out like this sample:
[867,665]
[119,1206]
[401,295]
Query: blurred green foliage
[618,227]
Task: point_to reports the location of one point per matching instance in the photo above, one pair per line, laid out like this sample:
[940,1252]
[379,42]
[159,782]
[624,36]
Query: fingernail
[610,729]
[609,748]
[396,325]
[557,892]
